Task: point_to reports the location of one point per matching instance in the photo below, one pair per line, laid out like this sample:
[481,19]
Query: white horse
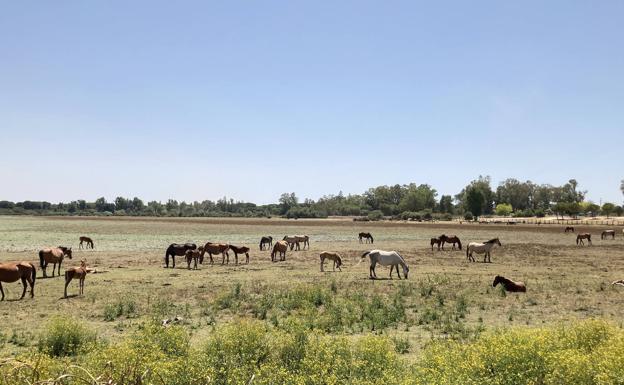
[385,258]
[481,248]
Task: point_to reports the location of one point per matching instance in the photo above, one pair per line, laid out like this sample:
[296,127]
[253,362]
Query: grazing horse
[436,241]
[386,258]
[179,250]
[76,272]
[509,285]
[293,242]
[86,240]
[279,247]
[569,229]
[53,255]
[240,250]
[193,256]
[332,257]
[450,239]
[216,248]
[607,233]
[367,236]
[481,248]
[11,272]
[580,237]
[268,240]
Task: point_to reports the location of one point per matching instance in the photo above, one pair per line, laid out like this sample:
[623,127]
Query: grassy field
[444,297]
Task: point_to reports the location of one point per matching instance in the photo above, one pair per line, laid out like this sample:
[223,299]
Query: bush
[65,337]
[468,216]
[375,215]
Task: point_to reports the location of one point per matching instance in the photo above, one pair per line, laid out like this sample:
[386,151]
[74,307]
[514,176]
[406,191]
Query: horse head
[405,270]
[83,263]
[68,252]
[498,279]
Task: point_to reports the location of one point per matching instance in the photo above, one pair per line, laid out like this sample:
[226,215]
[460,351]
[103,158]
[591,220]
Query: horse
[607,233]
[279,247]
[76,272]
[293,242]
[385,258]
[481,248]
[267,240]
[53,255]
[240,250]
[86,240]
[179,250]
[436,241]
[509,285]
[12,271]
[580,237]
[193,256]
[332,257]
[367,236]
[569,229]
[216,248]
[452,239]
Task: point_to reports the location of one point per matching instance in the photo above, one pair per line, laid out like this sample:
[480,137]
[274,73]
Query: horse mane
[491,240]
[366,253]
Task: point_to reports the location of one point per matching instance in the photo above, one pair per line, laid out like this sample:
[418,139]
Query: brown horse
[53,255]
[86,240]
[607,233]
[279,247]
[332,257]
[580,237]
[76,272]
[216,248]
[509,285]
[368,237]
[268,241]
[193,256]
[11,272]
[240,250]
[450,239]
[435,241]
[179,250]
[293,242]
[569,229]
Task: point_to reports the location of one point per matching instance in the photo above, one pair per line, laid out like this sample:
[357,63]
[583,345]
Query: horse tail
[371,238]
[41,260]
[34,274]
[366,253]
[467,248]
[459,243]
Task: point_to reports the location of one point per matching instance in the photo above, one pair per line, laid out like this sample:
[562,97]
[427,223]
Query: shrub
[65,337]
[375,215]
[468,216]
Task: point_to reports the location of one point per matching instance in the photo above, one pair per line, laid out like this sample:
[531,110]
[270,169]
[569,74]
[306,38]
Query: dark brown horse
[569,229]
[53,255]
[177,249]
[580,237]
[268,241]
[216,248]
[450,239]
[509,285]
[607,233]
[368,237]
[79,273]
[279,247]
[435,241]
[240,250]
[11,272]
[86,240]
[193,256]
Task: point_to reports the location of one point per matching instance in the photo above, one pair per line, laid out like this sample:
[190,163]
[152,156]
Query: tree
[619,210]
[503,209]
[475,201]
[446,204]
[482,185]
[287,201]
[608,208]
[518,194]
[622,186]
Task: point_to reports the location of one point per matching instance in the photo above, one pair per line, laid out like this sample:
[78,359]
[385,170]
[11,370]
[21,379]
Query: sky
[199,100]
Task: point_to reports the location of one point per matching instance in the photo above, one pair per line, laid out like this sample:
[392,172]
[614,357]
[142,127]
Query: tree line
[409,201]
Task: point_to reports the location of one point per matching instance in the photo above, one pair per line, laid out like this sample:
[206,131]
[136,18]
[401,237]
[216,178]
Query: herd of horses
[27,271]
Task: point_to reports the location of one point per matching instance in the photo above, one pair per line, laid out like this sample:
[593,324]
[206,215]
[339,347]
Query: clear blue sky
[197,100]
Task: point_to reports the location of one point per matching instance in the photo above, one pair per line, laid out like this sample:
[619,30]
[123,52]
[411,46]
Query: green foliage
[65,337]
[608,209]
[119,308]
[468,216]
[504,209]
[375,215]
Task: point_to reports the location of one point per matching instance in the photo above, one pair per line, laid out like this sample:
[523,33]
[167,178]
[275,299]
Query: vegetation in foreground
[587,352]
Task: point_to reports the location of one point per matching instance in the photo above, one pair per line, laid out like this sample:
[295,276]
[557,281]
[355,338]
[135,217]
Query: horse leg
[166,261]
[1,291]
[322,260]
[59,268]
[397,269]
[373,275]
[246,258]
[67,281]
[391,268]
[24,284]
[82,286]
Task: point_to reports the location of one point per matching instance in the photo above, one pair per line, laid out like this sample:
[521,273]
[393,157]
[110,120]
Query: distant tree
[446,204]
[287,201]
[101,205]
[608,208]
[503,209]
[622,186]
[479,187]
[619,210]
[475,201]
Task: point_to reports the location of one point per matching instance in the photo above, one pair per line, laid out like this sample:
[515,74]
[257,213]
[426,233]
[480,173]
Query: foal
[509,285]
[240,250]
[332,257]
[193,256]
[76,272]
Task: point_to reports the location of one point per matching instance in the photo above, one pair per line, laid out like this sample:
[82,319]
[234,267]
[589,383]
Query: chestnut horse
[193,256]
[580,237]
[216,248]
[79,273]
[86,240]
[607,233]
[240,250]
[509,285]
[367,236]
[332,257]
[179,250]
[268,240]
[53,255]
[279,247]
[12,271]
[569,229]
